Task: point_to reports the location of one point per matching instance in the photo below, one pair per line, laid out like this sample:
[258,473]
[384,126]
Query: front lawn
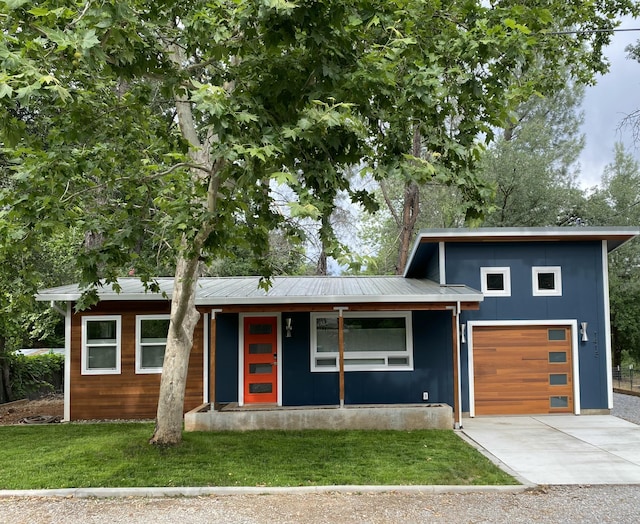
[117,455]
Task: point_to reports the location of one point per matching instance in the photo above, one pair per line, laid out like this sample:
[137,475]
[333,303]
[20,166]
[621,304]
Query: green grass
[117,455]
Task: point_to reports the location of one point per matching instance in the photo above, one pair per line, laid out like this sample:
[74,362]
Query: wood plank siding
[522,370]
[127,395]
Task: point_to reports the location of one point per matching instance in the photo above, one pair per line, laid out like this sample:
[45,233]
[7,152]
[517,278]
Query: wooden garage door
[522,370]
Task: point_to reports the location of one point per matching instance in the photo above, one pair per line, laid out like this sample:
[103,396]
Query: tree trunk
[410,210]
[5,392]
[184,317]
[321,266]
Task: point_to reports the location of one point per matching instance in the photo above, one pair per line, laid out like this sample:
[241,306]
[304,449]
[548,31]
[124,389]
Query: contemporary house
[484,321]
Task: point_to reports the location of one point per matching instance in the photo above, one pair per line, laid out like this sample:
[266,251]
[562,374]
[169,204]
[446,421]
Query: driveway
[561,449]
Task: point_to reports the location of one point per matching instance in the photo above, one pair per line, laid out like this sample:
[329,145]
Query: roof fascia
[615,236]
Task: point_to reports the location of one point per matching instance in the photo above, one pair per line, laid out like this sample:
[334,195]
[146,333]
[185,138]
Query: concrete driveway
[560,449]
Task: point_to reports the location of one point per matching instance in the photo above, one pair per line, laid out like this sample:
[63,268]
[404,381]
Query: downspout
[57,308]
[67,357]
[67,364]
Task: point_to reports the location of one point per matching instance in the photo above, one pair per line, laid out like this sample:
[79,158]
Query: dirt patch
[46,407]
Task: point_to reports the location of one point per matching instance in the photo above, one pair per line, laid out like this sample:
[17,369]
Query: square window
[495,281]
[151,342]
[547,281]
[100,353]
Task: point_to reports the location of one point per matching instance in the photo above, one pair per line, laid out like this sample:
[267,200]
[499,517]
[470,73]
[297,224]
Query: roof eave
[271,301]
[381,299]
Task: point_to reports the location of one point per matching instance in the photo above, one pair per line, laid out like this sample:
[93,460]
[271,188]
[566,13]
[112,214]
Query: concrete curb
[222,491]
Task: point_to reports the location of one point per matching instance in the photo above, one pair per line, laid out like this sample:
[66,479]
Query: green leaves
[277,92]
[14,4]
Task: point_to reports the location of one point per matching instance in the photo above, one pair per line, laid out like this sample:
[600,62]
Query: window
[558,379]
[557,334]
[557,357]
[495,281]
[372,342]
[151,341]
[547,281]
[559,402]
[100,345]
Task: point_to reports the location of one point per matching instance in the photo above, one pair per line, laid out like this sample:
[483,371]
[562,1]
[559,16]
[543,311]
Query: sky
[605,105]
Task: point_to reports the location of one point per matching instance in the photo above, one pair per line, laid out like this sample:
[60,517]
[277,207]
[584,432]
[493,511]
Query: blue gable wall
[582,298]
[433,363]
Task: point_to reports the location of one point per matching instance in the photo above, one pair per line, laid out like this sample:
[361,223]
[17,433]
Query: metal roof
[222,291]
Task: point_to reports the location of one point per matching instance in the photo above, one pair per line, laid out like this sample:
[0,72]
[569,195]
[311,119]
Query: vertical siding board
[127,395]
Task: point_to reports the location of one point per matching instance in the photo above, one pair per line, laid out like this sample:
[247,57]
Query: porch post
[456,366]
[341,351]
[212,360]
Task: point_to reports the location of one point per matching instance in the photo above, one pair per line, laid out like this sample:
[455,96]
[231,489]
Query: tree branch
[64,199]
[387,199]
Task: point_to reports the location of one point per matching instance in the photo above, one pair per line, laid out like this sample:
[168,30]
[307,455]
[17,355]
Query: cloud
[605,105]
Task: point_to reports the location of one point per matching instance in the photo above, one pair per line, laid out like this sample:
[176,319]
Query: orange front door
[260,360]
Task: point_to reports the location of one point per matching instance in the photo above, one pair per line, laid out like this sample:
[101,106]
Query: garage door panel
[513,369]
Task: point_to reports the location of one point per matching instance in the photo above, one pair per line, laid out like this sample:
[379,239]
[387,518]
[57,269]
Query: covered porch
[404,391]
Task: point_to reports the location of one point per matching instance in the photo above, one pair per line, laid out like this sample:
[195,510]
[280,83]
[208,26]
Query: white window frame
[363,354]
[506,276]
[140,345]
[84,356]
[557,278]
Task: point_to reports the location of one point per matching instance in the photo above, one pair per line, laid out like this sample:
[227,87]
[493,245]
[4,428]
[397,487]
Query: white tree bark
[184,318]
[184,315]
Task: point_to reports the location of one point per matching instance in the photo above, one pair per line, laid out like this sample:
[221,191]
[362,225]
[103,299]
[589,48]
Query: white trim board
[607,323]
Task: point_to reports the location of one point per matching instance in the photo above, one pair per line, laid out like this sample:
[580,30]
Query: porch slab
[374,417]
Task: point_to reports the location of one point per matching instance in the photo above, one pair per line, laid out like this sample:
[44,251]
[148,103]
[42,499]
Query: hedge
[32,376]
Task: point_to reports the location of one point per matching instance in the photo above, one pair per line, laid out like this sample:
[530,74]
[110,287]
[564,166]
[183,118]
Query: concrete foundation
[394,417]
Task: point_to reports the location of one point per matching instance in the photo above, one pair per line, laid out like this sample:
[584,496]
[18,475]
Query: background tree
[533,162]
[162,123]
[617,203]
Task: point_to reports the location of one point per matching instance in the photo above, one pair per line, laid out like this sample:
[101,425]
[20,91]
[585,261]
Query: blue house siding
[227,341]
[433,364]
[300,387]
[582,298]
[432,369]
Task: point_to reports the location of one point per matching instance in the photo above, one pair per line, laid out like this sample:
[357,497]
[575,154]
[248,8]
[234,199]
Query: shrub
[36,375]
